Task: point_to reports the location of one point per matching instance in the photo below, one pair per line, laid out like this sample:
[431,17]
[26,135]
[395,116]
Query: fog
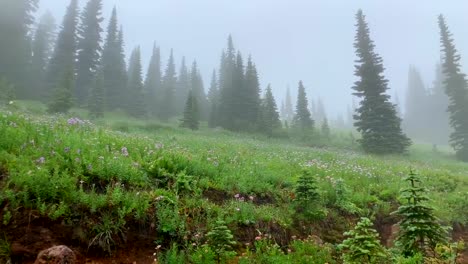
[292,40]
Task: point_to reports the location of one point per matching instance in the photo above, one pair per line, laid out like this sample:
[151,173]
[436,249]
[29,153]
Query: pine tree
[42,47]
[198,91]
[376,117]
[270,120]
[362,244]
[307,198]
[325,129]
[239,117]
[167,104]
[183,86]
[191,113]
[113,65]
[320,114]
[16,19]
[221,240]
[227,87]
[288,106]
[456,89]
[419,228]
[398,106]
[89,49]
[62,97]
[63,58]
[252,94]
[153,81]
[416,105]
[302,119]
[96,103]
[136,96]
[213,99]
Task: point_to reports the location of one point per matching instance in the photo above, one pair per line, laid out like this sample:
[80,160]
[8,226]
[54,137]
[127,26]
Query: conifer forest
[237,132]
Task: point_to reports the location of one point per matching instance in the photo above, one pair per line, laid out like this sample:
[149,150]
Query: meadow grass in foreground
[176,184]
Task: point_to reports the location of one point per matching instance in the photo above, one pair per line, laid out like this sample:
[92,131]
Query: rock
[56,255]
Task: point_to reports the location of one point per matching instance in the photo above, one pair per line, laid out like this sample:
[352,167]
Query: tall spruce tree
[42,47]
[183,87]
[288,106]
[270,120]
[191,114]
[302,120]
[136,97]
[252,94]
[63,58]
[167,104]
[213,99]
[227,88]
[153,81]
[16,19]
[61,100]
[376,117]
[89,49]
[416,108]
[198,91]
[113,65]
[456,89]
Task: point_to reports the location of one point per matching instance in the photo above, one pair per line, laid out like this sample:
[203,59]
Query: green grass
[120,170]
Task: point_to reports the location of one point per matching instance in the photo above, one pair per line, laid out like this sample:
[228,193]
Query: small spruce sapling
[362,244]
[221,241]
[307,198]
[420,231]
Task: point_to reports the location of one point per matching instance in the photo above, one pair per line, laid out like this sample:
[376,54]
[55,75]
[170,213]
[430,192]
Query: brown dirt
[219,197]
[30,234]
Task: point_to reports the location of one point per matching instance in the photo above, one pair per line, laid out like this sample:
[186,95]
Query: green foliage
[191,113]
[376,117]
[456,89]
[307,200]
[5,250]
[62,99]
[106,232]
[302,119]
[362,244]
[420,231]
[88,49]
[221,241]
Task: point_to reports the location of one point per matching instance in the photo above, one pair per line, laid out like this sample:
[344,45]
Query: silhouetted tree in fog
[270,120]
[191,114]
[152,87]
[136,97]
[96,99]
[457,90]
[302,119]
[416,108]
[213,99]
[89,49]
[183,87]
[198,91]
[166,107]
[376,118]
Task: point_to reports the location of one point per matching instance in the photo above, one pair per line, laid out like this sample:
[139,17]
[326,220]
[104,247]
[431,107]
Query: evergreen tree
[63,58]
[16,18]
[42,48]
[376,117]
[227,88]
[319,114]
[457,90]
[302,119]
[198,91]
[325,129]
[270,117]
[252,94]
[213,99]
[221,241]
[307,198]
[416,105]
[62,97]
[191,113]
[362,244]
[89,49]
[183,86]
[239,116]
[398,106]
[96,102]
[419,228]
[136,96]
[113,65]
[7,91]
[167,104]
[288,107]
[153,81]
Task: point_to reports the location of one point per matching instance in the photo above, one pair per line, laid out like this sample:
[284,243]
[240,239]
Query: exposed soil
[220,197]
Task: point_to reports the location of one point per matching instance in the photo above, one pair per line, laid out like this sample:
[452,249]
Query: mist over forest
[249,131]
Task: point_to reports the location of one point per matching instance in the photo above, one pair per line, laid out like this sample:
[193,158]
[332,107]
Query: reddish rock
[56,255]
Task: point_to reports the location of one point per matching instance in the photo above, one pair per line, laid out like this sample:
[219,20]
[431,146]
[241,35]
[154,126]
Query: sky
[292,40]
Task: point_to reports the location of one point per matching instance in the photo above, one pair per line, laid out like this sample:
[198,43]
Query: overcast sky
[292,40]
